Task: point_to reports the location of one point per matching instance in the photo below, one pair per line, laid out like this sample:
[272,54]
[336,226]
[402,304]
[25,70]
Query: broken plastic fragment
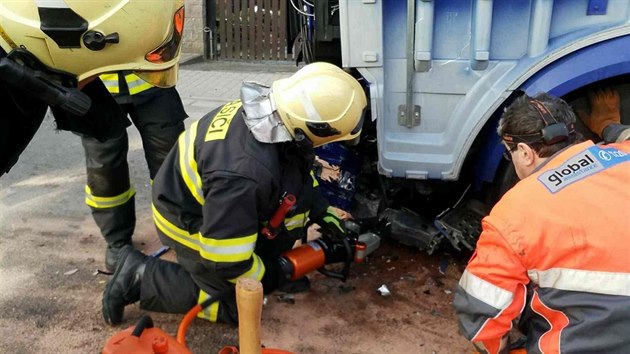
[287,298]
[384,291]
[443,266]
[70,272]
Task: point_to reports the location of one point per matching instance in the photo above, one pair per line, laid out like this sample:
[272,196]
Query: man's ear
[527,155]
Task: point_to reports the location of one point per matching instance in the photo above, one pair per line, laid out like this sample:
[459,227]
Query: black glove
[274,277]
[104,120]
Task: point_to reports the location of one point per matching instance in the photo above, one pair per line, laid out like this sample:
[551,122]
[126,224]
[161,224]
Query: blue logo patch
[586,163]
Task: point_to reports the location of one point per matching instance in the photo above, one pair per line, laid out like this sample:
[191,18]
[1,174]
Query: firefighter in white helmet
[50,48]
[221,184]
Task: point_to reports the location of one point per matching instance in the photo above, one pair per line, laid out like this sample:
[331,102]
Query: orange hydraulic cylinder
[305,259]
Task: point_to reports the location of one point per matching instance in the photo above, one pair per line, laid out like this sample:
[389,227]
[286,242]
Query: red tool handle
[272,228]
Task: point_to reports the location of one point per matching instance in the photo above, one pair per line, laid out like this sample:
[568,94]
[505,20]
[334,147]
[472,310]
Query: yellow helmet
[321,100]
[87,38]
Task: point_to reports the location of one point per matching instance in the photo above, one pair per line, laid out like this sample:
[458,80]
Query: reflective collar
[260,114]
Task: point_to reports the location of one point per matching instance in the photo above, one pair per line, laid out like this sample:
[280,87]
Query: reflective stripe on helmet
[61,23]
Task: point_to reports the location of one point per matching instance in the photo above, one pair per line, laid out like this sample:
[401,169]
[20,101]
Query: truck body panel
[458,61]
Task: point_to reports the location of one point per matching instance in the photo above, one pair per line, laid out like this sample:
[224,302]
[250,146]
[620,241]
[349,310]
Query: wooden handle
[249,299]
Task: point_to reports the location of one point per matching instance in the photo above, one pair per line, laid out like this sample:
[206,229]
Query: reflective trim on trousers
[107,202]
[255,272]
[211,312]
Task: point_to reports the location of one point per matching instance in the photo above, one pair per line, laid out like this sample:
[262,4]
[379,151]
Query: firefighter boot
[124,287]
[112,252]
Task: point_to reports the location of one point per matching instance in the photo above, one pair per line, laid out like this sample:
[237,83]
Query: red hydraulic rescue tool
[330,248]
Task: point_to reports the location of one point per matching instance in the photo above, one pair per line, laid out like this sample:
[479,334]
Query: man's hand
[604,110]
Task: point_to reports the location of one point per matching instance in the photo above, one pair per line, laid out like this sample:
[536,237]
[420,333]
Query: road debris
[70,272]
[160,252]
[344,289]
[384,291]
[443,266]
[286,298]
[104,272]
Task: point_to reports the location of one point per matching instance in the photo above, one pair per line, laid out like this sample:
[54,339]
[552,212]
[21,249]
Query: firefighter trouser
[174,288]
[159,119]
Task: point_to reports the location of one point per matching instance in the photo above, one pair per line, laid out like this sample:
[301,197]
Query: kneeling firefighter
[50,49]
[220,185]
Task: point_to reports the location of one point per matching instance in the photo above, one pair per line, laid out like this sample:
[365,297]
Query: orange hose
[183,326]
[190,316]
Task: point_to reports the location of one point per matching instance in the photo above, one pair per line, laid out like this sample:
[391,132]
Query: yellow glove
[604,110]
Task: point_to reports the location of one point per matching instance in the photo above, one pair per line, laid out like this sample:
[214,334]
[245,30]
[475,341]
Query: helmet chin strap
[299,152]
[301,139]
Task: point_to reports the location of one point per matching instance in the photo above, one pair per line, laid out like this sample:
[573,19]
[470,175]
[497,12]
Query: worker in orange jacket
[554,250]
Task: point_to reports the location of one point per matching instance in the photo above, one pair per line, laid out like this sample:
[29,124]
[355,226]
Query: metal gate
[252,29]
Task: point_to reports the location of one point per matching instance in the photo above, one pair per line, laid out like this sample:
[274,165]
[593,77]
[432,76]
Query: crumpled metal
[260,114]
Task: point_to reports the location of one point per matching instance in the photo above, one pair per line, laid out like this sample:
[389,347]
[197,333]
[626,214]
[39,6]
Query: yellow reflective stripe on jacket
[315,183]
[136,84]
[211,312]
[111,82]
[255,272]
[230,250]
[298,220]
[107,202]
[187,163]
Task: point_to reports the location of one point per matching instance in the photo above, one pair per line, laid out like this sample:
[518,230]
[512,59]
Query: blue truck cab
[440,72]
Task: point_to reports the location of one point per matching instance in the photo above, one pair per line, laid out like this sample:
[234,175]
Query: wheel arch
[581,68]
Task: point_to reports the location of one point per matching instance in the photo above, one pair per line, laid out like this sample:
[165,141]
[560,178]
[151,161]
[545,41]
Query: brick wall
[192,43]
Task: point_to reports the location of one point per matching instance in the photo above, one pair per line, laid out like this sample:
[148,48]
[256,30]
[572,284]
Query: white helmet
[322,101]
[87,38]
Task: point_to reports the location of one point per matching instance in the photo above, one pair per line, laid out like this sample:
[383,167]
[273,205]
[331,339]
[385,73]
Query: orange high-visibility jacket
[555,250]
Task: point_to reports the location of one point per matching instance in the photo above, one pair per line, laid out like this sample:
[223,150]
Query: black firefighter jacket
[219,186]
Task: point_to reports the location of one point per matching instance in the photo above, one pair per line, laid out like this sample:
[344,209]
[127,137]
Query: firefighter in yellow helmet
[50,48]
[222,183]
